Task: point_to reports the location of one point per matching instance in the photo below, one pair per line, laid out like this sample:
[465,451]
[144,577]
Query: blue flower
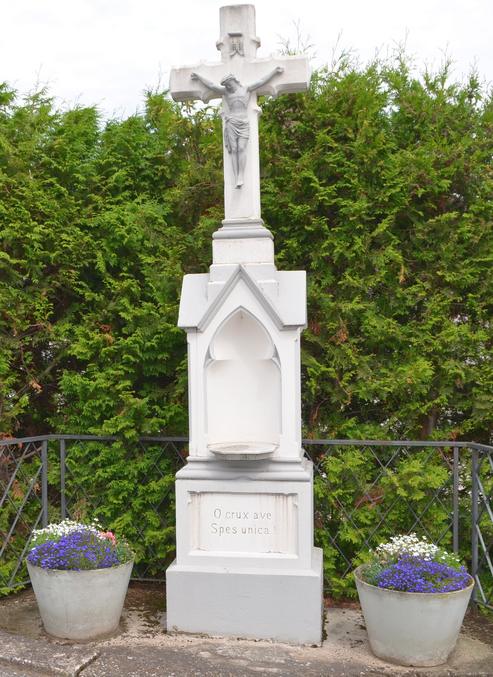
[416,574]
[78,550]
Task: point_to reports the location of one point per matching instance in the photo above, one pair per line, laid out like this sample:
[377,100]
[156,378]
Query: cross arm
[197,82]
[292,74]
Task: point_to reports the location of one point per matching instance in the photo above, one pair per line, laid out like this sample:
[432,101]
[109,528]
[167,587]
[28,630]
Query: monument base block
[281,605]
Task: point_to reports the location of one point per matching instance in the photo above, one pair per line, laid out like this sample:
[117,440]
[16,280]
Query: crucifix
[246,565]
[238,79]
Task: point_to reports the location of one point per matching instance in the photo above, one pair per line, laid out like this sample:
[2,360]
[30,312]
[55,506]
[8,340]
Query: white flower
[407,545]
[66,527]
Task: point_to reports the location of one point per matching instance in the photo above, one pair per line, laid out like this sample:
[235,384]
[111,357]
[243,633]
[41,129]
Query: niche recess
[242,390]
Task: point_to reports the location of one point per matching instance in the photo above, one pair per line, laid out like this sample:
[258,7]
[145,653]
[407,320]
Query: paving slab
[345,652]
[10,671]
[43,657]
[142,648]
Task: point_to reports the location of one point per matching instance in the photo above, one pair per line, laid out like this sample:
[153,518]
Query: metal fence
[365,492]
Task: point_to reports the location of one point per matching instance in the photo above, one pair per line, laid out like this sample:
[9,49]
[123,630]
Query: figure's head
[230,82]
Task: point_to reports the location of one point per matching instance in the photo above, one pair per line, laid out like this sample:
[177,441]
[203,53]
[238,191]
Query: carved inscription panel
[244,523]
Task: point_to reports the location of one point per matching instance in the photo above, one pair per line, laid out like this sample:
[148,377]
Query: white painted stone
[273,384]
[245,562]
[251,250]
[285,300]
[280,605]
[242,524]
[238,79]
[209,505]
[242,388]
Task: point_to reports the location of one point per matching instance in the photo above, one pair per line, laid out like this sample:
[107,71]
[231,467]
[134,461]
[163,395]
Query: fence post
[63,499]
[44,483]
[455,502]
[474,519]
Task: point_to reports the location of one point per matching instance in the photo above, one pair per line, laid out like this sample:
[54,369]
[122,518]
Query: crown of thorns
[228,78]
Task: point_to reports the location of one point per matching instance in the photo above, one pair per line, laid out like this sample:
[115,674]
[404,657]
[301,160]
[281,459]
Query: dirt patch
[479,624]
[19,614]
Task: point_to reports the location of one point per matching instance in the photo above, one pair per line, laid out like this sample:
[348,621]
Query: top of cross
[237,29]
[238,45]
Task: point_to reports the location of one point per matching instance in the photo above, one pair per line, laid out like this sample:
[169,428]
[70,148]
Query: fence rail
[365,491]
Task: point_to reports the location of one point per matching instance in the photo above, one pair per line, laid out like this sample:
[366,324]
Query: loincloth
[235,128]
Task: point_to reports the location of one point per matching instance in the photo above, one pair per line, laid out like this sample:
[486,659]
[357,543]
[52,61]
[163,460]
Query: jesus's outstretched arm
[263,81]
[208,83]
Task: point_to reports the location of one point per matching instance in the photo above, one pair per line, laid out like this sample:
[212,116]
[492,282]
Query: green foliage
[131,488]
[377,182]
[99,225]
[380,185]
[364,497]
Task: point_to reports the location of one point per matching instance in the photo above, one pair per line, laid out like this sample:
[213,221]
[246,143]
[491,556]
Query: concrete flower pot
[412,628]
[80,605]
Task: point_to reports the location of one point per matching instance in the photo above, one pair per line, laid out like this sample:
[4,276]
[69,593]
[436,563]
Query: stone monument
[245,562]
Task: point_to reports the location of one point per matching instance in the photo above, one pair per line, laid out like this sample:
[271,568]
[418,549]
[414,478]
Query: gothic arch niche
[242,390]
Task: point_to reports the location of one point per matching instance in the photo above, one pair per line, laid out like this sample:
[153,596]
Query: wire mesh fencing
[365,492]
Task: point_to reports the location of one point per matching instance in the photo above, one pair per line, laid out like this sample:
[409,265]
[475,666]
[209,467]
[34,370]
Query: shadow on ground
[142,648]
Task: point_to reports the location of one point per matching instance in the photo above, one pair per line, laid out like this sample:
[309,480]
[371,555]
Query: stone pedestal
[246,565]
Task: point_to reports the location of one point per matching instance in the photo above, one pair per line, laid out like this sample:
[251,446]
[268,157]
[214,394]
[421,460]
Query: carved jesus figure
[236,126]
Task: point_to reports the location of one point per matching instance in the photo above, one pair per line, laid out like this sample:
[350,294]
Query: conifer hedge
[378,182]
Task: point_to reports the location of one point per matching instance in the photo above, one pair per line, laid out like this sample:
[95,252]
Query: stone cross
[238,79]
